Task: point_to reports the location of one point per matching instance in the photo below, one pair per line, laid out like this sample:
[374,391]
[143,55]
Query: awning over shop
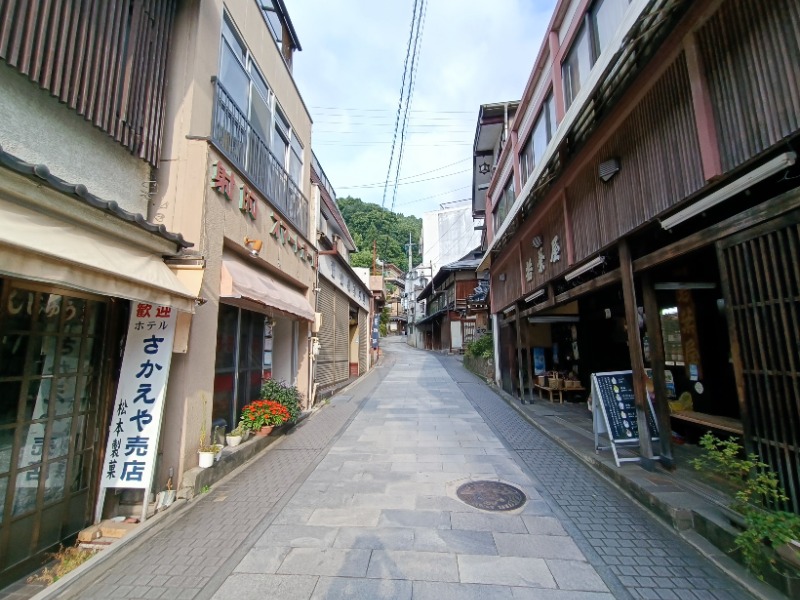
[241,281]
[42,248]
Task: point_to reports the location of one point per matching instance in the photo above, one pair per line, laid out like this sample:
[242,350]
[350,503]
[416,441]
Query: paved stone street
[359,502]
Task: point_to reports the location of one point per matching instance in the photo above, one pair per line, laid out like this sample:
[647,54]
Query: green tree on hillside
[368,222]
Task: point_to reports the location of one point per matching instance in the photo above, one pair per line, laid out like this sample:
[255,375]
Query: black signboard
[615,410]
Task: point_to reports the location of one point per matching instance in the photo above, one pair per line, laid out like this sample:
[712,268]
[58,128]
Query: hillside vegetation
[368,222]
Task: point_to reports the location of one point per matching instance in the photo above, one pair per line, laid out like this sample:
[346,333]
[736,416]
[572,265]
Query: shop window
[671,332]
[238,371]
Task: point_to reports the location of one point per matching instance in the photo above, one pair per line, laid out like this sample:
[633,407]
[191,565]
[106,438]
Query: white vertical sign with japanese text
[136,419]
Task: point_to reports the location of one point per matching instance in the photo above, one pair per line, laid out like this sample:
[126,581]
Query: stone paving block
[262,560]
[429,590]
[488,522]
[414,518]
[375,538]
[455,541]
[576,575]
[543,525]
[400,564]
[334,517]
[297,536]
[537,546]
[326,561]
[504,570]
[286,587]
[344,588]
[534,594]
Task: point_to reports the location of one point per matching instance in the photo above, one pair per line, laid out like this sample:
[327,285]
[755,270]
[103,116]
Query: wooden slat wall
[762,287]
[342,342]
[549,225]
[660,165]
[751,52]
[326,373]
[505,292]
[465,288]
[106,59]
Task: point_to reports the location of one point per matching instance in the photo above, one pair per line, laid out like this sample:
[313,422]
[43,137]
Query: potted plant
[236,435]
[260,416]
[288,396]
[205,449]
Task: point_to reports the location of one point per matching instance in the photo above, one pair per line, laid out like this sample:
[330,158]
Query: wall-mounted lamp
[608,168]
[254,246]
[595,262]
[534,296]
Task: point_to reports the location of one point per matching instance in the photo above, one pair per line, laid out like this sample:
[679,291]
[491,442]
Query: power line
[402,94]
[404,183]
[414,65]
[389,110]
[417,174]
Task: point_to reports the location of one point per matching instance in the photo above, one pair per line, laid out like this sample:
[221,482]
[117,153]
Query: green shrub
[483,347]
[758,499]
[288,396]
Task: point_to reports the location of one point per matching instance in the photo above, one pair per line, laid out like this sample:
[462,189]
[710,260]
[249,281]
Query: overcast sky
[349,73]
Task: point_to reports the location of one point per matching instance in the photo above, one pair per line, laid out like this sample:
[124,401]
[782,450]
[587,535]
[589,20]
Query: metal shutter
[342,342]
[363,341]
[325,360]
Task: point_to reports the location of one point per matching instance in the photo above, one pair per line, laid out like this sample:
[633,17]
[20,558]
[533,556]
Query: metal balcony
[232,133]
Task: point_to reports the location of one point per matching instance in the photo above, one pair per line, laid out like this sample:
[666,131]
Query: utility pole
[374,256]
[410,246]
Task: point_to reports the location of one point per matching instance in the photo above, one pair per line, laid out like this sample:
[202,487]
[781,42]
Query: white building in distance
[448,234]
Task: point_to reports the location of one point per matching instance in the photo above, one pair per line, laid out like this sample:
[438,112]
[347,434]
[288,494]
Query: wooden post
[519,354]
[635,349]
[655,335]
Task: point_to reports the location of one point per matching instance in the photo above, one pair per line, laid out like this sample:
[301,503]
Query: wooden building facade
[663,208]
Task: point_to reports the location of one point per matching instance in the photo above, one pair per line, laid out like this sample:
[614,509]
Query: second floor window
[504,204]
[537,141]
[600,25]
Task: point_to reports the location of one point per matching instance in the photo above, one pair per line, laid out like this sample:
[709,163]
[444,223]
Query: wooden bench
[711,421]
[560,392]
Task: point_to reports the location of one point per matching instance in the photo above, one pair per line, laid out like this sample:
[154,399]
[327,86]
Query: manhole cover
[491,495]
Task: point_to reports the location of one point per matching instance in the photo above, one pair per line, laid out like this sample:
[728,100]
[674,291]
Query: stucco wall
[37,128]
[448,235]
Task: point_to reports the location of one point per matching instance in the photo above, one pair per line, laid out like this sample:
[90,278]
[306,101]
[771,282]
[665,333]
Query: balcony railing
[232,133]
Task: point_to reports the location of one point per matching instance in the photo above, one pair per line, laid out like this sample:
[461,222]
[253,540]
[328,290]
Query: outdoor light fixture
[685,285]
[554,319]
[253,246]
[595,262]
[508,311]
[534,296]
[608,168]
[776,165]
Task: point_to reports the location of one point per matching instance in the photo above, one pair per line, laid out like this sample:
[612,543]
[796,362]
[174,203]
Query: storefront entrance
[51,357]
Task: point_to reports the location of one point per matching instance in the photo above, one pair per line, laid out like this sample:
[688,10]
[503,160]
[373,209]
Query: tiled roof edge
[79,191]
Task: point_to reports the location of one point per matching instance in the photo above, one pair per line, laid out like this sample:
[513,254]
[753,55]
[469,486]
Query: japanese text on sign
[136,419]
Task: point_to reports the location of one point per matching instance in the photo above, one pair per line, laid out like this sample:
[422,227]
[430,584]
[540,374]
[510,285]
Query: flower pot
[206,459]
[233,440]
[264,431]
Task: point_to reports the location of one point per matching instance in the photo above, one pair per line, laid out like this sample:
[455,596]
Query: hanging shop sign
[136,419]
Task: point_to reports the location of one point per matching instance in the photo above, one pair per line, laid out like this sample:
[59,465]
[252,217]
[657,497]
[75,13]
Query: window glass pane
[60,438]
[226,337]
[6,449]
[577,66]
[65,395]
[19,310]
[281,123]
[551,114]
[13,348]
[295,166]
[3,488]
[260,115]
[230,36]
[275,25]
[244,338]
[38,399]
[9,401]
[27,483]
[539,137]
[74,310]
[233,78]
[258,81]
[49,312]
[256,342]
[606,18]
[56,473]
[526,162]
[279,146]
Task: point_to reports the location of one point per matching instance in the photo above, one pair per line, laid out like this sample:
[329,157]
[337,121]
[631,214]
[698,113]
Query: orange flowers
[261,413]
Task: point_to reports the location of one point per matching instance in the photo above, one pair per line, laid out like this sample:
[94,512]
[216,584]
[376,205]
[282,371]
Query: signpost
[614,413]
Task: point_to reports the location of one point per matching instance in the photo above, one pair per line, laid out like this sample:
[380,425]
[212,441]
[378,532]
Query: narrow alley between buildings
[360,501]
